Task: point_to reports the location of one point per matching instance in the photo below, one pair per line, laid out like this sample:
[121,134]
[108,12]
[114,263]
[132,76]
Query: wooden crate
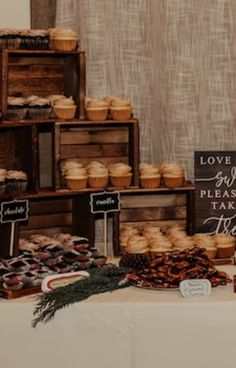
[161,207]
[42,73]
[18,151]
[107,142]
[52,213]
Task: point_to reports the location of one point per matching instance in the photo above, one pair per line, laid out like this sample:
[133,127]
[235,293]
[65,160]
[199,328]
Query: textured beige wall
[14,13]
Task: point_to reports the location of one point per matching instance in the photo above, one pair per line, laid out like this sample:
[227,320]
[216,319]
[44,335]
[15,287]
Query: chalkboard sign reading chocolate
[14,211]
[215,183]
[105,202]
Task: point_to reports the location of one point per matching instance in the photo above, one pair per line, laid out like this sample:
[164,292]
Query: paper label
[195,288]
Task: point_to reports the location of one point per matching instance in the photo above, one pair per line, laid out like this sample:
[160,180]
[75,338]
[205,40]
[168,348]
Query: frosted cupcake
[98,177]
[150,176]
[120,175]
[9,38]
[225,245]
[208,242]
[64,108]
[77,182]
[63,39]
[96,110]
[16,181]
[16,108]
[173,175]
[137,244]
[40,109]
[3,174]
[34,39]
[120,109]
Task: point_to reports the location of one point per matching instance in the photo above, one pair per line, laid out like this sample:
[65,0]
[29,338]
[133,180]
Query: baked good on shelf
[34,39]
[63,39]
[77,182]
[150,176]
[16,108]
[98,177]
[173,174]
[120,175]
[225,245]
[64,108]
[40,109]
[137,244]
[9,38]
[3,174]
[120,109]
[96,110]
[16,181]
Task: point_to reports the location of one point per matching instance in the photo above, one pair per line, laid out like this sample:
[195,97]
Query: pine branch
[101,280]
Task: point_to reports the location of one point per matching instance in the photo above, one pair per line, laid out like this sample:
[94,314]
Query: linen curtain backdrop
[175,60]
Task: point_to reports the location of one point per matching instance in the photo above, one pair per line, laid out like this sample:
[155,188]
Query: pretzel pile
[169,269]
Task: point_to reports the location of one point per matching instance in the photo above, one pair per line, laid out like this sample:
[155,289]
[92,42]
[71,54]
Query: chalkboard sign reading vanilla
[215,183]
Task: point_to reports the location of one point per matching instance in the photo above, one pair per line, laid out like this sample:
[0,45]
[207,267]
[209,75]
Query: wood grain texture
[153,214]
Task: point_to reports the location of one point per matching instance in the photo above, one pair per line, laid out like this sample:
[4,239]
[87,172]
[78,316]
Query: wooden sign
[195,288]
[105,202]
[215,192]
[12,212]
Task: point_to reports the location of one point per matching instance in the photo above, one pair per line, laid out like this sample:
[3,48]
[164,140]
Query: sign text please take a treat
[215,183]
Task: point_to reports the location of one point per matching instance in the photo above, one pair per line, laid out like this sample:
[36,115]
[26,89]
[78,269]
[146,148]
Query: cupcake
[137,244]
[98,177]
[16,181]
[64,108]
[3,174]
[120,109]
[40,109]
[63,39]
[225,245]
[9,39]
[96,110]
[16,108]
[173,175]
[76,182]
[208,242]
[120,175]
[34,39]
[150,176]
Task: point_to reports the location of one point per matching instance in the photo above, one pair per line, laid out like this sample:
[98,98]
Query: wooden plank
[50,206]
[82,136]
[162,224]
[103,150]
[152,200]
[35,71]
[152,214]
[105,160]
[24,88]
[53,220]
[18,59]
[45,231]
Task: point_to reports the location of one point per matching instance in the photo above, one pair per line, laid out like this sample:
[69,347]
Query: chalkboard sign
[14,211]
[215,184]
[105,202]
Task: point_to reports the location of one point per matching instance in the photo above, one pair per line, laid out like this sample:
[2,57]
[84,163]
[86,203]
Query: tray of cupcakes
[41,256]
[95,175]
[149,241]
[40,108]
[111,107]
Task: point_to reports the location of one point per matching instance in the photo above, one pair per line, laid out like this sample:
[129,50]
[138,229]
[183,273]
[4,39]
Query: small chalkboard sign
[215,192]
[105,202]
[12,212]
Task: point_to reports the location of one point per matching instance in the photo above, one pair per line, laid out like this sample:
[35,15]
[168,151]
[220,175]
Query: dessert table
[129,328]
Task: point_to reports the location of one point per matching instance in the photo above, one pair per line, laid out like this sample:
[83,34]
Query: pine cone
[134,261]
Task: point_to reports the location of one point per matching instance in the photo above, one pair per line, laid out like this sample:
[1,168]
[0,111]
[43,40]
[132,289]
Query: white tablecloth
[130,328]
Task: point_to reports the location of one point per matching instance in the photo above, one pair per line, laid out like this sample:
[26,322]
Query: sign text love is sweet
[215,183]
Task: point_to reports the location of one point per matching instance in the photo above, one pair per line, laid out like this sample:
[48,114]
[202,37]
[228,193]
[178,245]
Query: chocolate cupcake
[40,109]
[16,108]
[16,181]
[3,174]
[9,38]
[34,39]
